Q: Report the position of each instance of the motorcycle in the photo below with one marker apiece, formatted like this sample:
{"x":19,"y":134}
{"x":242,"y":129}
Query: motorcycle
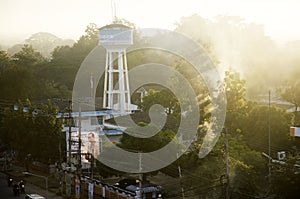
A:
{"x":16,"y":190}
{"x":22,"y":187}
{"x":9,"y":181}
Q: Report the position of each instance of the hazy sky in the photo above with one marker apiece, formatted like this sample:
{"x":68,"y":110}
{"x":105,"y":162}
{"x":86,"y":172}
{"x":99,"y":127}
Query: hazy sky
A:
{"x":68,"y":18}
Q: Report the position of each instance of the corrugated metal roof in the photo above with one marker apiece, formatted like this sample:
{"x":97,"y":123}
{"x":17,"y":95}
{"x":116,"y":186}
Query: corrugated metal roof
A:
{"x":88,"y":113}
{"x":111,"y":132}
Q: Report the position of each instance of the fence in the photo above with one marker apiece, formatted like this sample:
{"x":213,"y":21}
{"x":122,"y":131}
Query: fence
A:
{"x":93,"y":189}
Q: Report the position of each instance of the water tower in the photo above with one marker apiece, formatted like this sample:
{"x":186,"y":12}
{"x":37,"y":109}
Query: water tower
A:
{"x":115,"y":38}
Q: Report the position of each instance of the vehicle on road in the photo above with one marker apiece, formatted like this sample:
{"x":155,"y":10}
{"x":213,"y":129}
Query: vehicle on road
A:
{"x":22,"y":187}
{"x":16,"y":189}
{"x":9,"y":181}
{"x":122,"y":184}
{"x":34,"y":196}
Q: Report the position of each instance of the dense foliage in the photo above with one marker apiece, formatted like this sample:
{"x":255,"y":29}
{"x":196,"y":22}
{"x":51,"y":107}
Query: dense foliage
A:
{"x":37,"y":131}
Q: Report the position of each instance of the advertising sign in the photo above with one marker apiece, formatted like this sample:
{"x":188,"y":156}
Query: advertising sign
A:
{"x":91,"y":191}
{"x":89,"y":145}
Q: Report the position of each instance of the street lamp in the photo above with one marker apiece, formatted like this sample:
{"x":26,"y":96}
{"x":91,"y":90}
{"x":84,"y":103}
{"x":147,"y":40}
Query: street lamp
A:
{"x":40,"y":176}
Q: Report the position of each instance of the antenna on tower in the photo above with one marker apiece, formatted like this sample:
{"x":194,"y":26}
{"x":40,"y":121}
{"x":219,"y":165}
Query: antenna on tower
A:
{"x":113,"y":11}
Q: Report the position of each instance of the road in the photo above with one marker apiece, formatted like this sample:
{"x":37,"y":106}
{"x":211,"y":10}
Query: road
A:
{"x":7,"y":193}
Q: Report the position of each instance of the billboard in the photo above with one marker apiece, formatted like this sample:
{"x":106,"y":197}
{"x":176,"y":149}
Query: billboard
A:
{"x":89,"y":144}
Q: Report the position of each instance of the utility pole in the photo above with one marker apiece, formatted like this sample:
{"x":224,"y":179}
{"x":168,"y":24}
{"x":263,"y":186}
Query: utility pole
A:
{"x":92,"y":166}
{"x":70,"y":132}
{"x":139,"y":192}
{"x":140,"y":170}
{"x":180,"y":176}
{"x":79,"y":140}
{"x":269,"y":135}
{"x":79,"y":152}
{"x":59,"y":147}
{"x":227,"y":164}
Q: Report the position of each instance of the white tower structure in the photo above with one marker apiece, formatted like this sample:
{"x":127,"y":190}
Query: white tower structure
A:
{"x":115,"y":38}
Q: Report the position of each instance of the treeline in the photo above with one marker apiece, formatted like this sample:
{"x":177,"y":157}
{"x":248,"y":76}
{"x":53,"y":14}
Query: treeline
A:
{"x":35,"y":130}
{"x":29,"y":75}
{"x":34,"y":89}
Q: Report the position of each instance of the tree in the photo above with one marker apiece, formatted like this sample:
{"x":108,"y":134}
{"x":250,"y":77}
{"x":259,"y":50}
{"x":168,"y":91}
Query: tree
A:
{"x":160,"y":139}
{"x":236,"y":103}
{"x":247,"y":169}
{"x":88,"y":41}
{"x":20,"y":83}
{"x":124,"y":22}
{"x":255,"y":129}
{"x":235,"y":91}
{"x":14,"y":49}
{"x":42,"y":42}
{"x":47,"y":132}
{"x":45,"y":42}
{"x":16,"y":128}
{"x":291,"y":93}
{"x":28,"y":57}
{"x":5,"y":61}
{"x":32,"y":130}
{"x":206,"y":177}
{"x":66,"y":60}
{"x":163,"y":97}
{"x":17,"y":83}
{"x":146,"y":145}
{"x":285,"y":179}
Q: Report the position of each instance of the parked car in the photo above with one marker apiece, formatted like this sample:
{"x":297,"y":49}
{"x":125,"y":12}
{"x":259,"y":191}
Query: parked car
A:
{"x":34,"y":196}
{"x":122,"y":184}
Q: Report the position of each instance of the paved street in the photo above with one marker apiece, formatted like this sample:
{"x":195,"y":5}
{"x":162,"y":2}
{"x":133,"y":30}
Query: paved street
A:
{"x":7,"y":193}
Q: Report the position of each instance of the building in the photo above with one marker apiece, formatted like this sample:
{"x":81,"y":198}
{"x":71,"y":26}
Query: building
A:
{"x":90,"y":127}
